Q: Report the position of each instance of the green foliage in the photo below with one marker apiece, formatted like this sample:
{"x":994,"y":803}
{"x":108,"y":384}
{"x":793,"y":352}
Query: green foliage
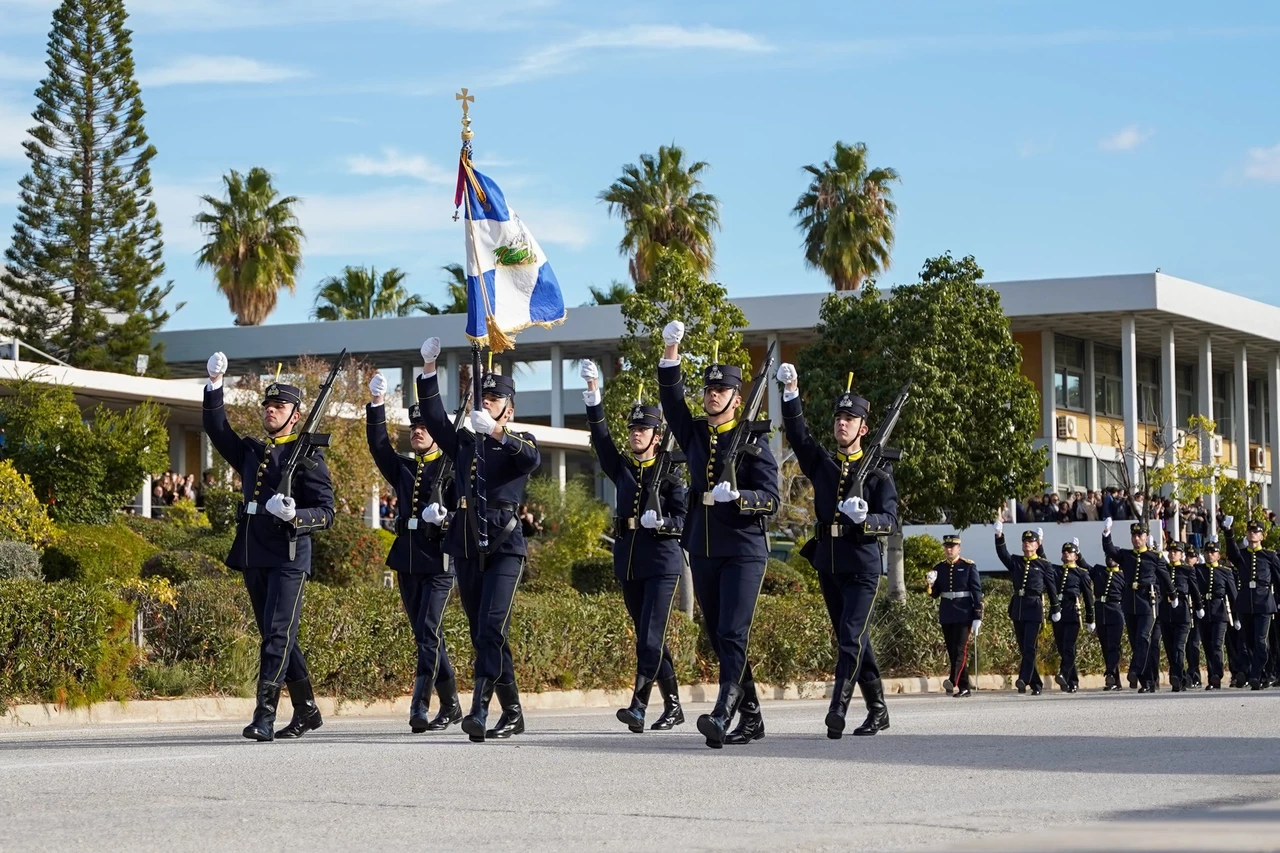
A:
{"x":919,"y":555}
{"x":19,"y":561}
{"x":674,"y":291}
{"x":183,"y":513}
{"x":347,"y":554}
{"x":171,"y":537}
{"x":85,"y":257}
{"x":362,"y":294}
{"x":593,"y":575}
{"x":96,"y":553}
{"x":783,"y":579}
{"x":209,"y":631}
{"x":84,"y":471}
{"x":967,"y":433}
{"x":615,"y":294}
{"x":456,"y":287}
{"x":22,"y":518}
{"x":572,"y":524}
{"x":183,"y":566}
{"x":220,"y":509}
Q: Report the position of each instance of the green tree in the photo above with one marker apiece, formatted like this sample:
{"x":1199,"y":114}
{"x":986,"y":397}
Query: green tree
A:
{"x":83,"y":470}
{"x":361,"y":294}
{"x":84,"y":265}
{"x":846,"y":215}
{"x":456,"y":287}
{"x":967,"y":433}
{"x":616,"y":294}
{"x":253,"y":244}
{"x":661,"y":204}
{"x":675,"y":291}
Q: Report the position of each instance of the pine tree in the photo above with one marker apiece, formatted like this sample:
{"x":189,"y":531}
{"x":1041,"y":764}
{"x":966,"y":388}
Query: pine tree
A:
{"x":83,"y":267}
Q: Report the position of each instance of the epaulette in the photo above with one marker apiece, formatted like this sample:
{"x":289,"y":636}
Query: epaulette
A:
{"x":967,"y":560}
{"x":700,"y":419}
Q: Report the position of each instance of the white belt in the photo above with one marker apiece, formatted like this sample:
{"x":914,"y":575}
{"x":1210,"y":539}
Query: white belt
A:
{"x":956,"y":594}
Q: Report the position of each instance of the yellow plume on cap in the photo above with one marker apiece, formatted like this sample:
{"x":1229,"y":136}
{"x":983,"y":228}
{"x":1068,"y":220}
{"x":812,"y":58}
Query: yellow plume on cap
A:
{"x":715,"y":351}
{"x":491,"y":361}
{"x":640,"y":392}
{"x":848,"y":386}
{"x":278,"y":366}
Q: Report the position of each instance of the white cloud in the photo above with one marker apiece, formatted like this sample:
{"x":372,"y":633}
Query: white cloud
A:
{"x":217,"y":69}
{"x":394,"y":163}
{"x":1264,"y":164}
{"x":17,"y":68}
{"x":1126,"y":140}
{"x":14,"y":124}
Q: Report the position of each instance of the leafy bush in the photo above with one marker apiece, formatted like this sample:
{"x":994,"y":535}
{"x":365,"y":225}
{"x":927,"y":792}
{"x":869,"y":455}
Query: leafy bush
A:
{"x":804,"y":567}
{"x":220,"y":508}
{"x":184,"y":514}
{"x":593,"y":575}
{"x":348,"y":554}
{"x":919,"y":555}
{"x":781,"y":579}
{"x":22,"y":517}
{"x":19,"y":561}
{"x":92,"y":553}
{"x":183,"y":566}
{"x":573,"y":522}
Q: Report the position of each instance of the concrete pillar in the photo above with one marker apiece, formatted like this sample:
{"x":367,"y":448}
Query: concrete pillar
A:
{"x":206,"y":454}
{"x":177,"y":449}
{"x":1242,"y":412}
{"x":408,"y":384}
{"x":1168,"y":394}
{"x":371,"y":513}
{"x":559,"y":468}
{"x":1091,"y":407}
{"x":1273,"y":401}
{"x":557,"y":389}
{"x":452,"y":394}
{"x":144,"y":498}
{"x":1049,"y":408}
{"x":775,"y":401}
{"x":1204,"y":384}
{"x":1129,"y":377}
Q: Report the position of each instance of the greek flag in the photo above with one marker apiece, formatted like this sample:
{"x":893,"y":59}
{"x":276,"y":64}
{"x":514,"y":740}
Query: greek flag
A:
{"x":510,"y":285}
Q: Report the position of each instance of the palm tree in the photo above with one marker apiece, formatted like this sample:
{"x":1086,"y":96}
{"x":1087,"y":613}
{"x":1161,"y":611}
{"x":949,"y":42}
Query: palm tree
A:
{"x":846,"y":215}
{"x":456,"y":285}
{"x":660,"y":204}
{"x":254,"y":244}
{"x":615,"y":294}
{"x":362,"y":294}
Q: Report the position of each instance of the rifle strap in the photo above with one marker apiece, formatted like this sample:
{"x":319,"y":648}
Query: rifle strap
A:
{"x":495,"y":542}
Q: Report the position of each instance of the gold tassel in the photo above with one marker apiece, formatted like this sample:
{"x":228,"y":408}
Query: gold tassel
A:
{"x":498,"y":340}
{"x":848,"y":386}
{"x":278,"y":366}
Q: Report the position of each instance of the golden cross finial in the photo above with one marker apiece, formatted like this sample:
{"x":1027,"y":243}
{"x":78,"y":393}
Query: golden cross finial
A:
{"x":466,"y":100}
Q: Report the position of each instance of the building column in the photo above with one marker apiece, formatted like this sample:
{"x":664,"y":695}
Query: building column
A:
{"x":559,"y":467}
{"x":408,"y":384}
{"x":144,"y":497}
{"x":1129,"y":377}
{"x":557,"y":387}
{"x":1242,"y":412}
{"x":1049,"y":407}
{"x":1091,"y":409}
{"x":177,"y":449}
{"x":453,"y":393}
{"x":371,"y":512}
{"x":1273,"y":406}
{"x":1169,"y":395}
{"x":206,"y":455}
{"x":1204,"y":384}
{"x":775,"y":402}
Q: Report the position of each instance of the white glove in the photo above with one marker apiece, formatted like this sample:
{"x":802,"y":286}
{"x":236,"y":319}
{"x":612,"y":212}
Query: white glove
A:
{"x":1055,"y":616}
{"x":430,"y":350}
{"x":1075,"y":540}
{"x":1227,"y":520}
{"x":282,"y":508}
{"x":930,"y":576}
{"x":1200,"y":613}
{"x":591,"y":398}
{"x":1040,"y":533}
{"x":673,"y":333}
{"x":588,"y":371}
{"x":216,"y":366}
{"x":650,"y":520}
{"x":1091,"y":627}
{"x":1174,"y":603}
{"x":378,"y":386}
{"x":999,"y":527}
{"x":482,"y":422}
{"x":433,"y":514}
{"x":855,"y":508}
{"x":1106,"y":526}
{"x":723,"y":493}
{"x":977,"y":623}
{"x":787,"y":373}
{"x":1237,"y":625}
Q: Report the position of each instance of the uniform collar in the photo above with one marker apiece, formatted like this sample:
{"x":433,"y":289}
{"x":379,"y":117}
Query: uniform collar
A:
{"x":428,"y":457}
{"x":1254,"y":548}
{"x":1211,"y":565}
{"x":849,"y":457}
{"x":1070,"y":565}
{"x":284,"y":439}
{"x":1141,"y":550}
{"x":724,"y":427}
{"x":645,"y":463}
{"x":1176,"y":564}
{"x":952,"y":562}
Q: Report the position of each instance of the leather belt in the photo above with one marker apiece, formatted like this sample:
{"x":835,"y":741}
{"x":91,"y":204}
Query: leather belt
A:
{"x":620,"y":523}
{"x":831,"y":531}
{"x":951,"y":595}
{"x":507,"y":506}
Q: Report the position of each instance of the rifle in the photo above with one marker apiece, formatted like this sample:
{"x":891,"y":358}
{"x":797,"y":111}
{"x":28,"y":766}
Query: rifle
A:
{"x":445,"y":471}
{"x":309,"y":441}
{"x":874,"y":454}
{"x":663,"y":472}
{"x":739,"y":440}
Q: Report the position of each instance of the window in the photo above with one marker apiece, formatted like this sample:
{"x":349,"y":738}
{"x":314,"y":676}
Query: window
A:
{"x":1110,"y":474}
{"x":1258,"y":421}
{"x":1148,"y":390}
{"x":1073,"y":474}
{"x":1186,"y":388}
{"x":1068,"y":373}
{"x":1223,"y":404}
{"x":1108,"y":382}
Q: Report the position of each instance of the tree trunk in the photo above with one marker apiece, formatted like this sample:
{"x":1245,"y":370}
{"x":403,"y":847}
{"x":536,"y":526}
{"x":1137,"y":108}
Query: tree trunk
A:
{"x":897,"y":568}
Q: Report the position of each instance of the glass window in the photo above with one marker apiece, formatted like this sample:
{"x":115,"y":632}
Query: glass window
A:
{"x":1068,"y":375}
{"x":1108,"y":382}
{"x":1187,"y":397}
{"x":1148,"y":390}
{"x":1110,"y":474}
{"x":1259,"y":427}
{"x":1073,"y":474}
{"x":1224,"y":404}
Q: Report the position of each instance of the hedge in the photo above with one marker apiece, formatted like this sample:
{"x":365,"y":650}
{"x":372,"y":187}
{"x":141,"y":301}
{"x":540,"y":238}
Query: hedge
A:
{"x":92,"y":553}
{"x":594,"y":575}
{"x":182,"y":566}
{"x":168,"y":536}
{"x":22,"y":516}
{"x":19,"y":561}
{"x":350,"y":553}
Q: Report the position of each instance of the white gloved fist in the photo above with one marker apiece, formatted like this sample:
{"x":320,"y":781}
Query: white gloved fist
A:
{"x":1237,"y":625}
{"x":1075,"y":540}
{"x":999,"y":525}
{"x":723,"y":493}
{"x":591,"y":398}
{"x":1056,"y":616}
{"x":930,"y":577}
{"x":433,"y":514}
{"x":977,"y":624}
{"x":430,"y":350}
{"x":1200,"y":613}
{"x":482,"y":422}
{"x":855,"y":508}
{"x":217,"y":365}
{"x":378,"y":386}
{"x":1091,"y":627}
{"x":650,"y":520}
{"x":588,"y":371}
{"x":1174,"y":604}
{"x":1040,"y":533}
{"x":1106,"y":526}
{"x":282,"y":508}
{"x":673,"y":333}
{"x":1228,"y":521}
{"x":787,"y":373}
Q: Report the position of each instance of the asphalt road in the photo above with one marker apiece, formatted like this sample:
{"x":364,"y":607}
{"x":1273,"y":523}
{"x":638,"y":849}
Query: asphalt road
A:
{"x":998,"y":771}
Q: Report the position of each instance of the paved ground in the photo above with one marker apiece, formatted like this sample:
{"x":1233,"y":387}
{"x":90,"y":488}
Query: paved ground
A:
{"x":999,"y":771}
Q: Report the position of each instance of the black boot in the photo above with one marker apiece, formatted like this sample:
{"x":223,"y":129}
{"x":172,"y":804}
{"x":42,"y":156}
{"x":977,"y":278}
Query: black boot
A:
{"x":450,"y":708}
{"x":750,"y":720}
{"x":633,"y":716}
{"x":841,"y":695}
{"x":672,"y":713}
{"x":877,"y":712}
{"x":306,"y":716}
{"x":714,"y":725}
{"x":420,"y":705}
{"x":473,"y":723}
{"x":512,"y":720}
{"x":264,"y":716}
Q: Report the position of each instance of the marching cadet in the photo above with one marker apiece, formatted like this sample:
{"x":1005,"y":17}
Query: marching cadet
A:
{"x":1075,"y":591}
{"x":1258,"y":569}
{"x":1192,"y":656}
{"x":423,"y":574}
{"x":1217,"y":585}
{"x":260,"y":551}
{"x":486,"y":581}
{"x":1233,"y":642}
{"x":956,"y":582}
{"x":647,"y":560}
{"x":1146,"y":576}
{"x":1174,"y":618}
{"x":724,"y":533}
{"x":1108,"y":590}
{"x":845,"y":548}
{"x":1031,"y":574}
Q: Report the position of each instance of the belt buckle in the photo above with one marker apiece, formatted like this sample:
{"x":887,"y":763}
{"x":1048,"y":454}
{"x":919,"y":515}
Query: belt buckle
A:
{"x":462,"y":503}
{"x":1135,"y":584}
{"x":835,"y":531}
{"x":413,"y":524}
{"x":1253,"y":584}
{"x":631,"y":523}
{"x":1022,"y":591}
{"x":251,"y":508}
{"x":708,"y":499}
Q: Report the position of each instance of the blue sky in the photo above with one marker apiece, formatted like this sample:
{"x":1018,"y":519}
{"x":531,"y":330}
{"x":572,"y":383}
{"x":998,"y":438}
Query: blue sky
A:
{"x":1045,"y":138}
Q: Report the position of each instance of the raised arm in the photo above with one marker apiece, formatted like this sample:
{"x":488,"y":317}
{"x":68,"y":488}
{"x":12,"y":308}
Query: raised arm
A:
{"x":1108,"y":547}
{"x":606,"y":450}
{"x":671,"y":386}
{"x":809,"y":454}
{"x":223,"y":438}
{"x":375,"y":428}
{"x":1002,"y":553}
{"x":433,"y":413}
{"x":1233,"y":549}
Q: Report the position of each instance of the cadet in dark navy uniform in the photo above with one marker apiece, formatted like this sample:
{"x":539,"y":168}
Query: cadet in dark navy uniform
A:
{"x":845,"y":548}
{"x":1192,"y":679}
{"x":958,"y":586}
{"x":1075,"y":591}
{"x":1218,"y":590}
{"x":423,"y":572}
{"x":724,"y":531}
{"x":1146,"y":579}
{"x":646,"y":549}
{"x":261,"y":547}
{"x":1108,"y":593}
{"x":1031,"y":574}
{"x":1174,"y":617}
{"x":1258,"y":570}
{"x":486,"y":583}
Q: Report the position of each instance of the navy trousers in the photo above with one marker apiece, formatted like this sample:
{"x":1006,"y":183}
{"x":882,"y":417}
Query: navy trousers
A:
{"x":1109,"y":636}
{"x":424,"y":598}
{"x":956,"y":637}
{"x":727,"y":589}
{"x":1140,"y":626}
{"x":850,"y":600}
{"x":1174,"y":636}
{"x":1193,"y":653}
{"x":1233,"y":642}
{"x":1253,"y":646}
{"x":649,"y":603}
{"x":487,"y":598}
{"x":276,"y":595}
{"x":1066,"y":634}
{"x":1028,"y":636}
{"x":1212,"y":634}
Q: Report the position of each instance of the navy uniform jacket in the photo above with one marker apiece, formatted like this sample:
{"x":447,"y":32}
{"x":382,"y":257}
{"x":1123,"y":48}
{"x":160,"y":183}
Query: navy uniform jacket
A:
{"x":262,"y":540}
{"x":416,"y":551}
{"x":733,"y":528}
{"x":857,"y":549}
{"x":507,"y":468}
{"x":638,"y":552}
{"x":958,"y":577}
{"x":1108,"y":592}
{"x":1217,"y":585}
{"x":1075,"y":592}
{"x":1257,"y":569}
{"x":1145,"y":573}
{"x":1031,"y":580}
{"x":1183,"y":577}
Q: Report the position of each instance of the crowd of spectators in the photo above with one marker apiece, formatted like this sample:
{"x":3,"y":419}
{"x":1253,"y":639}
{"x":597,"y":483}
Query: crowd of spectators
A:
{"x":170,"y":487}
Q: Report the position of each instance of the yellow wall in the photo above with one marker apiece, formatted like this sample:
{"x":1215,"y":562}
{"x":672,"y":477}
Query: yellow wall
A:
{"x":1082,"y":424}
{"x":1031,"y":366}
